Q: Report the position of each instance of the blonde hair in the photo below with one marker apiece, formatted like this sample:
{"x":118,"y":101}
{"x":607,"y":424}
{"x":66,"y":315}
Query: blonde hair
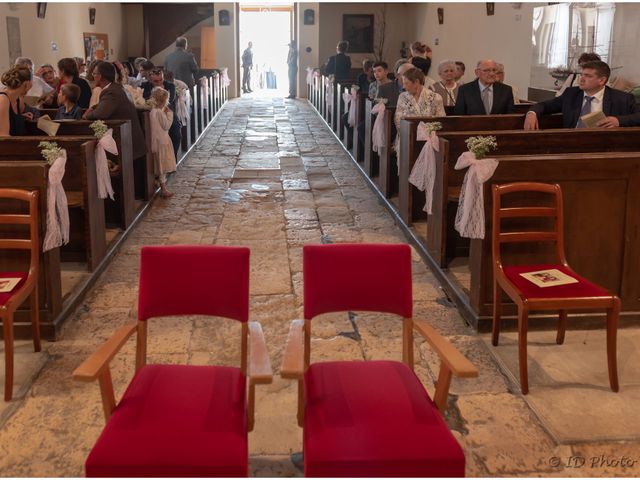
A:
{"x":419,"y":47}
{"x":16,"y":76}
{"x":159,"y":97}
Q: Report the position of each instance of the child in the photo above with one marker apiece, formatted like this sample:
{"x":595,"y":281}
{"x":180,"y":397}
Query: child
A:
{"x":68,"y":99}
{"x":163,"y":156}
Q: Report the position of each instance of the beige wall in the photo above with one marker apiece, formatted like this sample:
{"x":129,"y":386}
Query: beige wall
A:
{"x":307,"y":36}
{"x":469,"y":34}
{"x":64,"y":24}
{"x":134,"y":29}
{"x":227,"y":54}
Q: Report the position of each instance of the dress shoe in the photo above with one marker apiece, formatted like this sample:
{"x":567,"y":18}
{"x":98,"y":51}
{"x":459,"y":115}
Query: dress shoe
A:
{"x":250,"y":91}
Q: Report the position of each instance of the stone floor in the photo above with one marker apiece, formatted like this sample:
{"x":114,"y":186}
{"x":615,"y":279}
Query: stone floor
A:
{"x":269,"y":175}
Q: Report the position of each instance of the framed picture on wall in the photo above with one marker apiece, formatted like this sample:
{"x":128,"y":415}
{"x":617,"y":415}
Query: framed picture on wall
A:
{"x":358,"y":31}
{"x":96,"y":46}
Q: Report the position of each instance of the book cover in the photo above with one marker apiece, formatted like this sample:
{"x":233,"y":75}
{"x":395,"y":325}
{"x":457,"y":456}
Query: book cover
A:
{"x":591,"y":120}
{"x":8,"y":284}
{"x":549,"y":278}
{"x":47,"y":125}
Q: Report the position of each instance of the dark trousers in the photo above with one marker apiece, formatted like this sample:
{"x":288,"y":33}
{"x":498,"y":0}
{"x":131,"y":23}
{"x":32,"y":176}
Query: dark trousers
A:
{"x":293,"y":81}
{"x":246,"y":79}
{"x":175,"y":134}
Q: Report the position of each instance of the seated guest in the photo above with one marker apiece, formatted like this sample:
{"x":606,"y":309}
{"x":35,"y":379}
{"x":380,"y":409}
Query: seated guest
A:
{"x":500,"y":79}
{"x":47,"y":73}
{"x":591,"y":96}
{"x":122,"y":77}
{"x":484,"y":96}
{"x":114,"y":104}
{"x":144,"y":70}
{"x":82,"y":67}
{"x":68,"y":98}
{"x":573,"y":80}
{"x":421,"y":57}
{"x":138,"y":79}
{"x":339,"y":65}
{"x":460,"y":69}
{"x":95,"y":90}
{"x":68,"y":72}
{"x":402,"y":69}
{"x":384,"y":87}
{"x":416,"y":100}
{"x":17,"y":81}
{"x":39,"y":88}
{"x":366,"y":78}
{"x":447,"y":87}
{"x":156,"y":79}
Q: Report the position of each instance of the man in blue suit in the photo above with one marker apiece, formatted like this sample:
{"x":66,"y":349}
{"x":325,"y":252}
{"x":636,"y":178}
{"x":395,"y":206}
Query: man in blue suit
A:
{"x":591,"y":96}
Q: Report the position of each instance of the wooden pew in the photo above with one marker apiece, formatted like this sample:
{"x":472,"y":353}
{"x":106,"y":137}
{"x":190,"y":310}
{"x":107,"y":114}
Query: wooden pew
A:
{"x":33,"y":175}
{"x":371,"y":159}
{"x":357,"y":151}
{"x":388,"y":163}
{"x":601,"y":194}
{"x":123,"y":183}
{"x":89,"y":241}
{"x":143,"y":170}
{"x":411,"y":199}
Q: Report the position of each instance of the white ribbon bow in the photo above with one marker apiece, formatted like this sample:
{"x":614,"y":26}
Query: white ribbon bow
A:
{"x":309,"y":75}
{"x":225,"y":77}
{"x":183,"y":105}
{"x":57,"y":210}
{"x":352,"y":107}
{"x":470,"y":215}
{"x":328,"y":90}
{"x":105,"y":144}
{"x":204,"y":91}
{"x":378,"y":139}
{"x":423,"y":174}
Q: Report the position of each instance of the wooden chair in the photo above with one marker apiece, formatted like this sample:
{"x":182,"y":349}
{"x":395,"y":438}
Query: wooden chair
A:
{"x":181,"y":420}
{"x":28,"y":284}
{"x":373,"y":418}
{"x":528,"y":296}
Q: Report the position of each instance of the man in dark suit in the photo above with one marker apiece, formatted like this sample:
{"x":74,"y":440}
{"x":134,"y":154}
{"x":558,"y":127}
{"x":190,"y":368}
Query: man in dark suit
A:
{"x":339,"y":65}
{"x":484,"y":96}
{"x":114,"y":104}
{"x":156,"y":79}
{"x":247,"y":64}
{"x":591,"y":96}
{"x":182,"y":63}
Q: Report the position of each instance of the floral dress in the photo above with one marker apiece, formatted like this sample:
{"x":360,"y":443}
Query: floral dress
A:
{"x":429,"y":104}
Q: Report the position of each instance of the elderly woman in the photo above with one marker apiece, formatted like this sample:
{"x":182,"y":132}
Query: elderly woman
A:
{"x":416,"y":100}
{"x":447,"y":87}
{"x":17,"y":81}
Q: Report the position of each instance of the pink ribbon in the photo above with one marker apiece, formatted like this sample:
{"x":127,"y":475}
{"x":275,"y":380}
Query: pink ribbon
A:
{"x":423,"y":174}
{"x":225,"y":77}
{"x":378,"y":137}
{"x":470,"y":215}
{"x":309,"y":75}
{"x":204,"y":91}
{"x":104,"y":145}
{"x":352,"y":107}
{"x":57,"y":209}
{"x":328,"y":90}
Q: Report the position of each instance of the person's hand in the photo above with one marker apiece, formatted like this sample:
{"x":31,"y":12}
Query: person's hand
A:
{"x":609,"y":122}
{"x":531,"y":121}
{"x":86,"y":112}
{"x":28,"y":115}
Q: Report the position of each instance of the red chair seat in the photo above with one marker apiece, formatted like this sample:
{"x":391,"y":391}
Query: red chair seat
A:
{"x":176,"y":421}
{"x":4,"y":297}
{"x":374,"y":419}
{"x":584,"y":288}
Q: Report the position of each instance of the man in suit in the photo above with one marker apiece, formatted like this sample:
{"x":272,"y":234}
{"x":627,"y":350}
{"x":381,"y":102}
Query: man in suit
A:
{"x":339,"y":65}
{"x":484,"y":96}
{"x":591,"y":96}
{"x":182,"y":63}
{"x":114,"y":104}
{"x":156,"y":79}
{"x":292,"y":64}
{"x":247,"y":63}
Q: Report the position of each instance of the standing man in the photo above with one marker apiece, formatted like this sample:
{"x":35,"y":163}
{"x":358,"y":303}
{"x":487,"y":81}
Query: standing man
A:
{"x":182,"y":63}
{"x":247,"y":63}
{"x":292,"y":63}
{"x":484,"y":96}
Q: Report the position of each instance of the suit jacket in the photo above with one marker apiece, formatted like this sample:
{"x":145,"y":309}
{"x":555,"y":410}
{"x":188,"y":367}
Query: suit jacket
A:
{"x":183,"y":65}
{"x":614,"y":103}
{"x":340,"y":66}
{"x":114,"y":105}
{"x":469,"y":101}
{"x":247,"y":58}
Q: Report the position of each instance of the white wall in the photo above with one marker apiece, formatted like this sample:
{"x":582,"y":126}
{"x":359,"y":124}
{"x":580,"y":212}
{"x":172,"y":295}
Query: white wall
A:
{"x":308,"y":36}
{"x":626,"y":38}
{"x":227,"y":46}
{"x":469,"y":34}
{"x":64,"y":24}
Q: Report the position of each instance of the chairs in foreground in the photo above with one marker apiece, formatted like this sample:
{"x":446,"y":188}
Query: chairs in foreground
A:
{"x":181,"y":420}
{"x":551,"y":286}
{"x":27,"y":282}
{"x":370,"y":418}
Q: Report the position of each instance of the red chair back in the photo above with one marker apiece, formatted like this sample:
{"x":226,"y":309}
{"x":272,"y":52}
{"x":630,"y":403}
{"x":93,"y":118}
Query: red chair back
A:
{"x":358,"y":277}
{"x":194,"y":280}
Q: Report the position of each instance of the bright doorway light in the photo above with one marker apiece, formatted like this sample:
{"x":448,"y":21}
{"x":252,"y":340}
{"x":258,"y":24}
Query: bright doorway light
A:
{"x":268,"y":27}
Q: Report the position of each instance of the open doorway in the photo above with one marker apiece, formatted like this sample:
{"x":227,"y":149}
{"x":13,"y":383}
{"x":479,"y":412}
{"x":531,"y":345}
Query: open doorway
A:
{"x":269,"y":28}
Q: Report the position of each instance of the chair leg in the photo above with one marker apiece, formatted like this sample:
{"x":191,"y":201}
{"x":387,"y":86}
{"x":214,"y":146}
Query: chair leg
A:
{"x":523,"y":320}
{"x":35,"y":319}
{"x":497,"y":308}
{"x":562,"y":327}
{"x":612,"y":353}
{"x":7,"y":323}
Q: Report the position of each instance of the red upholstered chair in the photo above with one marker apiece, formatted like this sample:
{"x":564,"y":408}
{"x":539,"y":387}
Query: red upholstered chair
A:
{"x":373,"y":418}
{"x":582,"y":295}
{"x":28,"y":284}
{"x":181,"y":420}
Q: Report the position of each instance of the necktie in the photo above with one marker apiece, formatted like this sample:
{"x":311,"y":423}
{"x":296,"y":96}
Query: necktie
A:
{"x":586,"y":108}
{"x":486,"y":100}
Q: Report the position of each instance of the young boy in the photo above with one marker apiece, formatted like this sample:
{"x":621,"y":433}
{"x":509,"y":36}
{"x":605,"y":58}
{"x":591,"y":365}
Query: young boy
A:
{"x":68,"y":98}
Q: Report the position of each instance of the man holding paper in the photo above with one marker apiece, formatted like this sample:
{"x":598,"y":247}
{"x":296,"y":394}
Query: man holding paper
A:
{"x":592,"y":104}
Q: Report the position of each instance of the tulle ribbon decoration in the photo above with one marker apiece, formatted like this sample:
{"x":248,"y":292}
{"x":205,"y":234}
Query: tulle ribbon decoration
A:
{"x":352,"y":106}
{"x":183,"y":105}
{"x":423,"y":174}
{"x":378,"y":137}
{"x":225,"y":77}
{"x":470,"y":215}
{"x":57,"y":210}
{"x":104,"y":145}
{"x":328,"y":96}
{"x":309,"y":76}
{"x":204,"y":92}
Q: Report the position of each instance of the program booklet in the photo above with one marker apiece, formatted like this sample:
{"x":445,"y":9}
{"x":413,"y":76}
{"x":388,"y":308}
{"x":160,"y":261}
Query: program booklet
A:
{"x":8,"y":284}
{"x":591,"y":120}
{"x":549,"y":278}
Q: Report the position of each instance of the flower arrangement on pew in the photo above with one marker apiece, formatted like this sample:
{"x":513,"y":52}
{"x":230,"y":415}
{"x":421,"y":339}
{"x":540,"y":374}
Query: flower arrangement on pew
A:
{"x":57,"y":231}
{"x":50,"y":151}
{"x":104,"y":167}
{"x":378,"y":137}
{"x":470,"y":215}
{"x":423,"y":173}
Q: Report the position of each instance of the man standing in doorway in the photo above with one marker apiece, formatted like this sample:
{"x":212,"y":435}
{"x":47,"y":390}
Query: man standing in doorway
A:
{"x":182,"y":63}
{"x":292,"y":63}
{"x":247,"y":63}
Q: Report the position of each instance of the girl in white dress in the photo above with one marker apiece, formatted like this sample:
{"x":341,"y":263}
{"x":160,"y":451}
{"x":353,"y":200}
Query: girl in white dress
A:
{"x":164,"y":158}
